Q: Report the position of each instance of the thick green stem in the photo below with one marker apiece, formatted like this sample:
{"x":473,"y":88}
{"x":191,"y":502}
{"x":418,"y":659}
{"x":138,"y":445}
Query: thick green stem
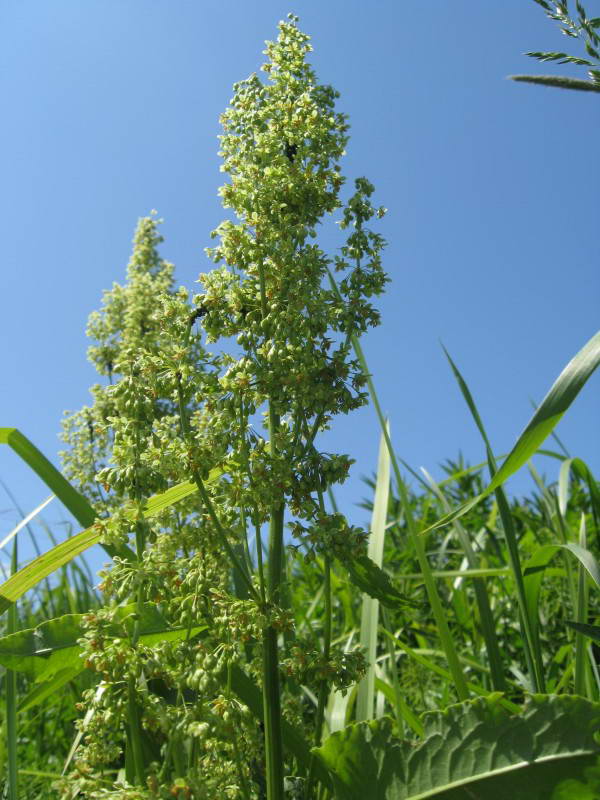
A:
{"x":271,"y":686}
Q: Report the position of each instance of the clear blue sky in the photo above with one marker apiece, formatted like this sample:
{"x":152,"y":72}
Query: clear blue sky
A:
{"x":110,"y":109}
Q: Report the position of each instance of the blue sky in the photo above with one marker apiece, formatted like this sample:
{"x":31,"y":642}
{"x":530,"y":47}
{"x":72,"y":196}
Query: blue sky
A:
{"x":111,"y":109}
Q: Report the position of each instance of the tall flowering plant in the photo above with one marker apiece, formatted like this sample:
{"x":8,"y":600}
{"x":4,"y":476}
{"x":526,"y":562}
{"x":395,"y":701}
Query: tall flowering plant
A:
{"x":173,"y":411}
{"x":281,"y":146}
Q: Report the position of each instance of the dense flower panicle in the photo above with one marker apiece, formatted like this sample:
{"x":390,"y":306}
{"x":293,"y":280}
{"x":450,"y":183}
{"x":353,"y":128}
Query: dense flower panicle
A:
{"x":172,"y":411}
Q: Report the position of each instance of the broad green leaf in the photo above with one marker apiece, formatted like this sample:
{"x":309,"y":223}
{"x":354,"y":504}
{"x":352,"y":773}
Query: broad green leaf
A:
{"x":562,"y":393}
{"x":475,"y":749}
{"x":370,"y":606}
{"x":51,"y":648}
{"x":44,"y":565}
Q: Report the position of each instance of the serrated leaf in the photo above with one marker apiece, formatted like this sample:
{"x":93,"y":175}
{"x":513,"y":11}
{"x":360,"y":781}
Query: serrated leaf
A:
{"x":473,"y":750}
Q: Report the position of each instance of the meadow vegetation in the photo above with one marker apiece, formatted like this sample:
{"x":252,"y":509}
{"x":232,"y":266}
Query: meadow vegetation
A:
{"x":244,"y":640}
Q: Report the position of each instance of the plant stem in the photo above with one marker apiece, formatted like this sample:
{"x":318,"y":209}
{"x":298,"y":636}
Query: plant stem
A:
{"x":236,"y":563}
{"x":271,"y":687}
{"x":11,"y":698}
{"x":324,"y":683}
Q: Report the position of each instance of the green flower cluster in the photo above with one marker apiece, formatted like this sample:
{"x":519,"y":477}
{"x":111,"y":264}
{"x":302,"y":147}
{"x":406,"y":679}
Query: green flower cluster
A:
{"x":165,"y":716}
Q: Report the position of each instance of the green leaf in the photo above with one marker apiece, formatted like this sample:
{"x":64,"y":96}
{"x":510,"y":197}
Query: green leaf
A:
{"x":562,"y":393}
{"x":562,"y":58}
{"x":475,"y":749}
{"x":75,"y":502}
{"x":592,"y":631}
{"x":582,"y":471}
{"x":57,"y":483}
{"x":369,"y":623}
{"x":51,"y":648}
{"x":372,"y":580}
{"x":46,"y":564}
{"x":48,"y":689}
{"x":557,"y":81}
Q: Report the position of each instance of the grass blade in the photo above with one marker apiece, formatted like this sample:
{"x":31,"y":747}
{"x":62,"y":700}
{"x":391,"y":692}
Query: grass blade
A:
{"x":558,"y":81}
{"x":475,"y":688}
{"x":53,"y":646}
{"x":581,"y":661}
{"x":531,"y":643}
{"x":456,"y":670}
{"x":44,"y":565}
{"x":75,"y":502}
{"x":59,"y":485}
{"x":11,"y":702}
{"x":25,"y":521}
{"x":561,"y":395}
{"x":488,"y":627}
{"x":370,"y":605}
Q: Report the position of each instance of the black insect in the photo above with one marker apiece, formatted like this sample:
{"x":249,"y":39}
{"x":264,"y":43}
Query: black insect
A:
{"x":290,"y":151}
{"x":197,"y":314}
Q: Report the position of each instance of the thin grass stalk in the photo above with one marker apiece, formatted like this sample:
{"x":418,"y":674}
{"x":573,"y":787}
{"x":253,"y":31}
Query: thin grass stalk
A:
{"x":401,"y":709}
{"x":530,"y":641}
{"x":475,"y":688}
{"x":271,"y":686}
{"x":369,"y":623}
{"x":581,"y":660}
{"x":11,"y":698}
{"x":456,"y":671}
{"x":324,"y":687}
{"x":488,"y":628}
{"x":594,"y":675}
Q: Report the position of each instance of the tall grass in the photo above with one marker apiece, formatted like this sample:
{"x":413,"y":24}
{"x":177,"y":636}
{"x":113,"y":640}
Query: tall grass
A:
{"x":408,"y":671}
{"x":38,"y":730}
